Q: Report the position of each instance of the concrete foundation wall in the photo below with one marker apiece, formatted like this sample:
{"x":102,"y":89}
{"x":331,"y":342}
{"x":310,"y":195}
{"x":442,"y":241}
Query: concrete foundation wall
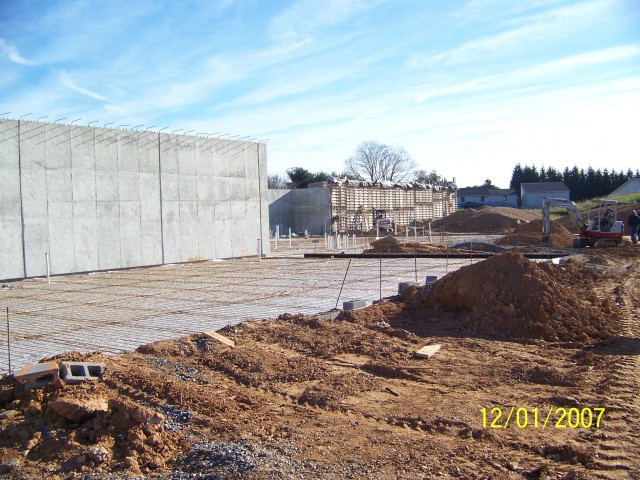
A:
{"x":97,"y":199}
{"x":300,"y":209}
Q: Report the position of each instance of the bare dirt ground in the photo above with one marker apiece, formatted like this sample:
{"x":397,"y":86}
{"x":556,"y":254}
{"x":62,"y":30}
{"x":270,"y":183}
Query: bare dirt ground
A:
{"x":529,"y":355}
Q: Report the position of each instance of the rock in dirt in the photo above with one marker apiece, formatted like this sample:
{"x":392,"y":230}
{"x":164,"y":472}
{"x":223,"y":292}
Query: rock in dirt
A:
{"x":98,"y":454}
{"x":10,"y":465}
{"x":79,"y":409}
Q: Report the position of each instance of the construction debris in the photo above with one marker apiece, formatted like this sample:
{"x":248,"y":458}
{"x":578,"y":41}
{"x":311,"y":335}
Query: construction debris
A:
{"x":221,"y":338}
{"x":427,"y":351}
{"x":38,"y":375}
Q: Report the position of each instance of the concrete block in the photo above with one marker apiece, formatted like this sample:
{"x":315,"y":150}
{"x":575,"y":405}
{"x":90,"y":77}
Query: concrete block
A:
{"x":221,"y":338}
{"x":427,"y":351}
{"x":354,"y":304}
{"x":402,"y":286}
{"x":77,"y":372}
{"x":38,"y":375}
{"x":431,"y":279}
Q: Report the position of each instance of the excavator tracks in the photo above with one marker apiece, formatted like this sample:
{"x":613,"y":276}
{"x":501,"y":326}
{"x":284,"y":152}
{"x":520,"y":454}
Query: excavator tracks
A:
{"x":619,"y":439}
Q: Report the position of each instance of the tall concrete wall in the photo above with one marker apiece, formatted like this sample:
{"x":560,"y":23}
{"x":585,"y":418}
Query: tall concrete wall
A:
{"x":300,"y":209}
{"x":97,"y":199}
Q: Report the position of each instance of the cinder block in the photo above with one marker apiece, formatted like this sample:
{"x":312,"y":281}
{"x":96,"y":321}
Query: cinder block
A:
{"x":431,"y":279}
{"x":38,"y":375}
{"x":76,"y":372}
{"x":354,"y":304}
{"x":404,"y":285}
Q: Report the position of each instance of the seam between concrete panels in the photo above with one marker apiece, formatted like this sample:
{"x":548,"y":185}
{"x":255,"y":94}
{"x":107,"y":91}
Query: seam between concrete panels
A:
{"x":24,"y":254}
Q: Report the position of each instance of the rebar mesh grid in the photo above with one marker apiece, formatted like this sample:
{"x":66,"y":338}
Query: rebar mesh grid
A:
{"x":118,"y":311}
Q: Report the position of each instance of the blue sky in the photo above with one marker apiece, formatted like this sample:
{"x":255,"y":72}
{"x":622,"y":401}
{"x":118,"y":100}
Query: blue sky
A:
{"x":468,"y":88}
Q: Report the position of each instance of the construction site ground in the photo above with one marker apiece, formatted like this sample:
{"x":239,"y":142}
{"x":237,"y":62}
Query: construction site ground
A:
{"x":537,"y":375}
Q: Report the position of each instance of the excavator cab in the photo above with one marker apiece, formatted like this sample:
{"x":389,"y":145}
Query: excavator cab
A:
{"x":603,"y":217}
{"x":380,"y":219}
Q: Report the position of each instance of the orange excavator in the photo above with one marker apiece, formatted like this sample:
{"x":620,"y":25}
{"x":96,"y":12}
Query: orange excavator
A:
{"x":602,"y":228}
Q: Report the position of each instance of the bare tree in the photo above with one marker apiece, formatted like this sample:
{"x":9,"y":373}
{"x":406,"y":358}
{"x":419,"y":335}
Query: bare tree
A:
{"x":277,"y":181}
{"x":373,"y":161}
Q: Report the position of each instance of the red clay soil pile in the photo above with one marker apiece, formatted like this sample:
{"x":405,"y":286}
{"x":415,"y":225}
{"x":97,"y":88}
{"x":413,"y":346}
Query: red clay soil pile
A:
{"x":530,"y":234}
{"x":391,"y":244}
{"x":510,"y":297}
{"x":483,"y":220}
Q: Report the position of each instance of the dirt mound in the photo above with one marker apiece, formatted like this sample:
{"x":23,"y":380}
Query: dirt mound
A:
{"x":391,"y":244}
{"x":483,"y":220}
{"x":510,"y":297}
{"x":530,"y":234}
{"x":89,"y":426}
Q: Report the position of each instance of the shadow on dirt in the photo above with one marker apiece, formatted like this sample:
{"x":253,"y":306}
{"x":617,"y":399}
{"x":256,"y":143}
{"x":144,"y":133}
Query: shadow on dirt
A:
{"x":618,"y":345}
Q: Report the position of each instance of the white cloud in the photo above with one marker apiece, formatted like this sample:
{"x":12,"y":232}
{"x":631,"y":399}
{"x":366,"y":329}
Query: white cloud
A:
{"x":534,"y":30}
{"x":455,"y":89}
{"x":11,"y":52}
{"x":67,"y":81}
{"x":305,"y":16}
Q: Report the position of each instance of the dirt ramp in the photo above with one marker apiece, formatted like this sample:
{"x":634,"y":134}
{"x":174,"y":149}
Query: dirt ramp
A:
{"x":510,"y":297}
{"x":530,"y":234}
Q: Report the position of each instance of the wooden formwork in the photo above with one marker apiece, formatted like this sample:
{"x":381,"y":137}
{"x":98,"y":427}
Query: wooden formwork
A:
{"x":352,"y":204}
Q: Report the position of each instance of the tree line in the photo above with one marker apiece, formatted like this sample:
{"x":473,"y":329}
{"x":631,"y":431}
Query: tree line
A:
{"x":371,"y":162}
{"x":583,"y":184}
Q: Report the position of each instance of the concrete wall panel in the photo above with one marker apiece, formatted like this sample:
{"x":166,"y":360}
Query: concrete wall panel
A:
{"x":11,"y":259}
{"x":188,"y":186}
{"x":83,"y":157}
{"x":148,"y":156}
{"x":130,"y":234}
{"x":61,"y":237}
{"x":84,"y":186}
{"x":204,"y":163}
{"x":107,"y":186}
{"x":100,"y":198}
{"x":59,"y":186}
{"x":108,"y":222}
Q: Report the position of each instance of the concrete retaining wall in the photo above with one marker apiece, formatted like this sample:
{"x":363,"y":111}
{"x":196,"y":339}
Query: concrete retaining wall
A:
{"x":97,"y":199}
{"x":300,"y":209}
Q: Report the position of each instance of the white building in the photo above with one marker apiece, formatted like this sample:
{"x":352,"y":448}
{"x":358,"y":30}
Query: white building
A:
{"x":533,"y":193}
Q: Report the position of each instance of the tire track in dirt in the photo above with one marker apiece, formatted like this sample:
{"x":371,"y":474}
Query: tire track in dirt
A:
{"x":619,"y":438}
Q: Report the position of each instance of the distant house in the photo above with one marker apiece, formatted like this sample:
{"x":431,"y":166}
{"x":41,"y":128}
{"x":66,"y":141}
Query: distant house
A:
{"x":533,"y":193}
{"x":630,"y":186}
{"x":479,"y":196}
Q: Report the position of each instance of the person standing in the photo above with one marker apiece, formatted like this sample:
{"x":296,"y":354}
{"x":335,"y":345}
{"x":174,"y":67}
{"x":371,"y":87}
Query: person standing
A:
{"x":634,"y":222}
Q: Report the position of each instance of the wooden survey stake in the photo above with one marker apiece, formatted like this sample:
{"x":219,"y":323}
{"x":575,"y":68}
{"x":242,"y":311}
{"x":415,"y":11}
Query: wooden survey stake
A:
{"x":221,"y":338}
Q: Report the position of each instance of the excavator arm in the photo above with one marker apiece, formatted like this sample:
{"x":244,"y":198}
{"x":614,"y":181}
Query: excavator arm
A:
{"x":548,"y":203}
